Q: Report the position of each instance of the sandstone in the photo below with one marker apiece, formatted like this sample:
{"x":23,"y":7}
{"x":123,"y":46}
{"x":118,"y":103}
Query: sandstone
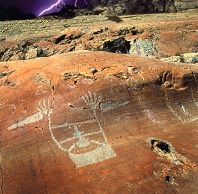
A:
{"x":98,"y":122}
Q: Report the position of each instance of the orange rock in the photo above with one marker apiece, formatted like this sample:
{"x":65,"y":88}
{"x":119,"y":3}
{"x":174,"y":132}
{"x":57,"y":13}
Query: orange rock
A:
{"x":84,"y":122}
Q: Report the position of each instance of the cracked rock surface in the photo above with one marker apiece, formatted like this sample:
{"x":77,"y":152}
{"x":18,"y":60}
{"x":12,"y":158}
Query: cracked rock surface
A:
{"x":96,"y":122}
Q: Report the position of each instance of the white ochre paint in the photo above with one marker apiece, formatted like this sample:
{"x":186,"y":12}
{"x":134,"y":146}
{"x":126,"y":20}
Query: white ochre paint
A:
{"x":83,"y":146}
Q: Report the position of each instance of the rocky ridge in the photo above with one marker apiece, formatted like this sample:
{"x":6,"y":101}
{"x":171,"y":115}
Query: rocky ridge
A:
{"x":120,"y":7}
{"x":156,"y":36}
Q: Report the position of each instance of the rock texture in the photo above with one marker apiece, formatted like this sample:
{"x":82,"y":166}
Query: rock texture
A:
{"x":141,"y":6}
{"x":86,"y":106}
{"x":157,"y":36}
{"x":185,"y":58}
{"x":185,"y":4}
{"x":98,"y":122}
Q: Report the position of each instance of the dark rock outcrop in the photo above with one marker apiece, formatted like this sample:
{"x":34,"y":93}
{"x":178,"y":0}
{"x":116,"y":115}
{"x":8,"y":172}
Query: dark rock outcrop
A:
{"x":117,"y":7}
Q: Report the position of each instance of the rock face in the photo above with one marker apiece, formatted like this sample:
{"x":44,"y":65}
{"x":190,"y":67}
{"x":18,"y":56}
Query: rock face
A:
{"x":98,"y":122}
{"x":141,"y":6}
{"x":185,"y":4}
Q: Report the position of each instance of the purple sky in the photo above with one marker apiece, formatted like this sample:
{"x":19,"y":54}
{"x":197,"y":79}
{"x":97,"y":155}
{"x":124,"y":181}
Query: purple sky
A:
{"x":37,"y":6}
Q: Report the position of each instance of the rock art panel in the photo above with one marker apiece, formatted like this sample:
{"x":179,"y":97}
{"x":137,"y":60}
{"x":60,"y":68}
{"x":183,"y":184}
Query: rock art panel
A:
{"x":83,"y":148}
{"x":122,"y":128}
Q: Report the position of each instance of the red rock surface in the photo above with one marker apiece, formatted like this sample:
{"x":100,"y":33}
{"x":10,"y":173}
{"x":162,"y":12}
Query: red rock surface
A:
{"x":97,"y":122}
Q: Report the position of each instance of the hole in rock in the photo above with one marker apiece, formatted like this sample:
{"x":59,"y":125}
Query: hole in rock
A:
{"x":70,"y":105}
{"x":119,"y":45}
{"x":94,"y":70}
{"x":165,"y":77}
{"x":168,"y":179}
{"x":165,"y":147}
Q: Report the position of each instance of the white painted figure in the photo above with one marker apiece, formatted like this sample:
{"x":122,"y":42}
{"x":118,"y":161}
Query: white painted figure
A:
{"x":83,"y":147}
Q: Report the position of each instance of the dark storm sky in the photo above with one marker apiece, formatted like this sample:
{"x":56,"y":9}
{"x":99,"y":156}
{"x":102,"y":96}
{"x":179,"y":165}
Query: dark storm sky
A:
{"x":37,"y":6}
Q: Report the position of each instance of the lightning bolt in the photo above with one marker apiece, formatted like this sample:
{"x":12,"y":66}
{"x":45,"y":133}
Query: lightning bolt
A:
{"x":58,"y":3}
{"x":51,"y":7}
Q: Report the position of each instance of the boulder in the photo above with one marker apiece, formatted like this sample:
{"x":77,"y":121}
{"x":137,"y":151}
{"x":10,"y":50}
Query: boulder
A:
{"x":143,"y":47}
{"x":32,"y":53}
{"x":98,"y":122}
{"x":185,"y":58}
{"x":189,"y":58}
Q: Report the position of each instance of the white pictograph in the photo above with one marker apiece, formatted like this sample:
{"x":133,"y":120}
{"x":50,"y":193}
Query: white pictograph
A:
{"x":178,"y":103}
{"x":84,"y":141}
